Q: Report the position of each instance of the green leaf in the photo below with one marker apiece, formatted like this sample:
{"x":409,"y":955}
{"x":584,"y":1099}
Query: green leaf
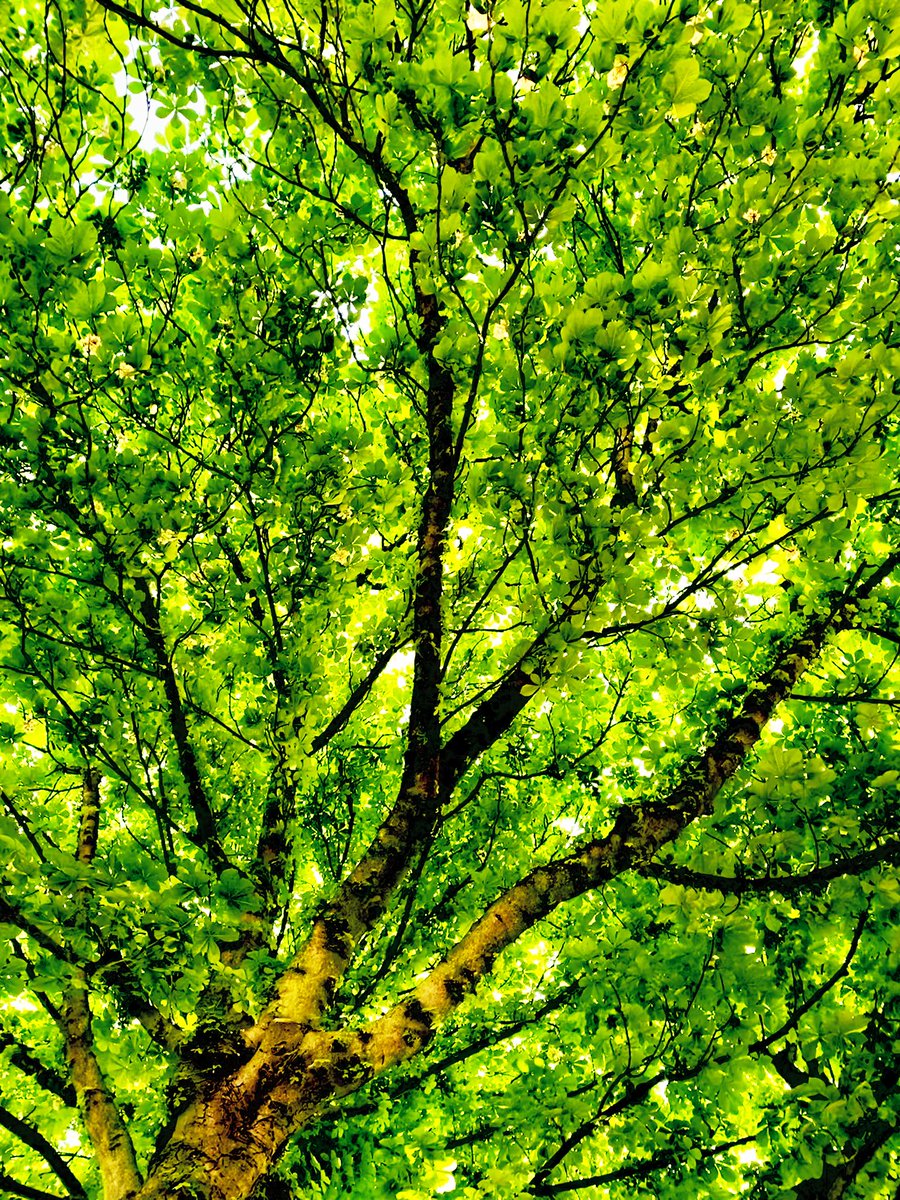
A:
{"x":448,"y":612}
{"x":685,"y":88}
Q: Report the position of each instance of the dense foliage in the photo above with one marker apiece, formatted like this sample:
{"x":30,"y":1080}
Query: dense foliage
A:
{"x":442,"y":446}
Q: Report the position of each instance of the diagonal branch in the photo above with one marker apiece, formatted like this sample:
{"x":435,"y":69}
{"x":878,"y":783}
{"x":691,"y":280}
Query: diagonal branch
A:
{"x":207,"y":835}
{"x":251,"y":47}
{"x":863,"y":1139}
{"x":44,"y":1075}
{"x":635,"y":838}
{"x":634,"y":1095}
{"x":24,"y":1190}
{"x":638,"y":1170}
{"x":637,"y":1094}
{"x":10,"y":915}
{"x":838,"y":1178}
{"x":296,"y":1070}
{"x":36,"y":1141}
{"x":357,"y":695}
{"x":493,"y":716}
{"x":814,"y":997}
{"x":506,"y":698}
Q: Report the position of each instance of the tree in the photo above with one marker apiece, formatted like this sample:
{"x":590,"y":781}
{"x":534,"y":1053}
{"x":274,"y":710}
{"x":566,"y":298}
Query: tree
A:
{"x":448,"y":599}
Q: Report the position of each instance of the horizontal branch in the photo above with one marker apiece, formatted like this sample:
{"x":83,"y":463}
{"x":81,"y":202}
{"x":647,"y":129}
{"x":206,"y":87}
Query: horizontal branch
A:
{"x":785,"y":885}
{"x":852,"y":698}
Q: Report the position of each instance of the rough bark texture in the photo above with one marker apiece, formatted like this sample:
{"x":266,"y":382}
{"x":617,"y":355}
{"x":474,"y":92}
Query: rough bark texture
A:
{"x":106,"y":1129}
{"x":305,"y":990}
{"x":269,"y":1077}
{"x":229,"y":1136}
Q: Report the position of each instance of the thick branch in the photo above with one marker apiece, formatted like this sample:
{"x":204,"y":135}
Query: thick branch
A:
{"x":636,"y":837}
{"x":625,"y":492}
{"x":108,"y":1134}
{"x":863,"y":1141}
{"x":490,"y":720}
{"x":296,"y":1070}
{"x":420,"y":769}
{"x":305,"y":989}
{"x":89,"y":828}
{"x":837,"y":1178}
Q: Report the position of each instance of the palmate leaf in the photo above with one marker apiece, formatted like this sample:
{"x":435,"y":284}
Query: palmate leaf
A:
{"x":448,"y":600}
{"x":685,"y":87}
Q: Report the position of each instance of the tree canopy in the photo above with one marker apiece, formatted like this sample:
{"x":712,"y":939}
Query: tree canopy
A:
{"x":449,"y":622}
